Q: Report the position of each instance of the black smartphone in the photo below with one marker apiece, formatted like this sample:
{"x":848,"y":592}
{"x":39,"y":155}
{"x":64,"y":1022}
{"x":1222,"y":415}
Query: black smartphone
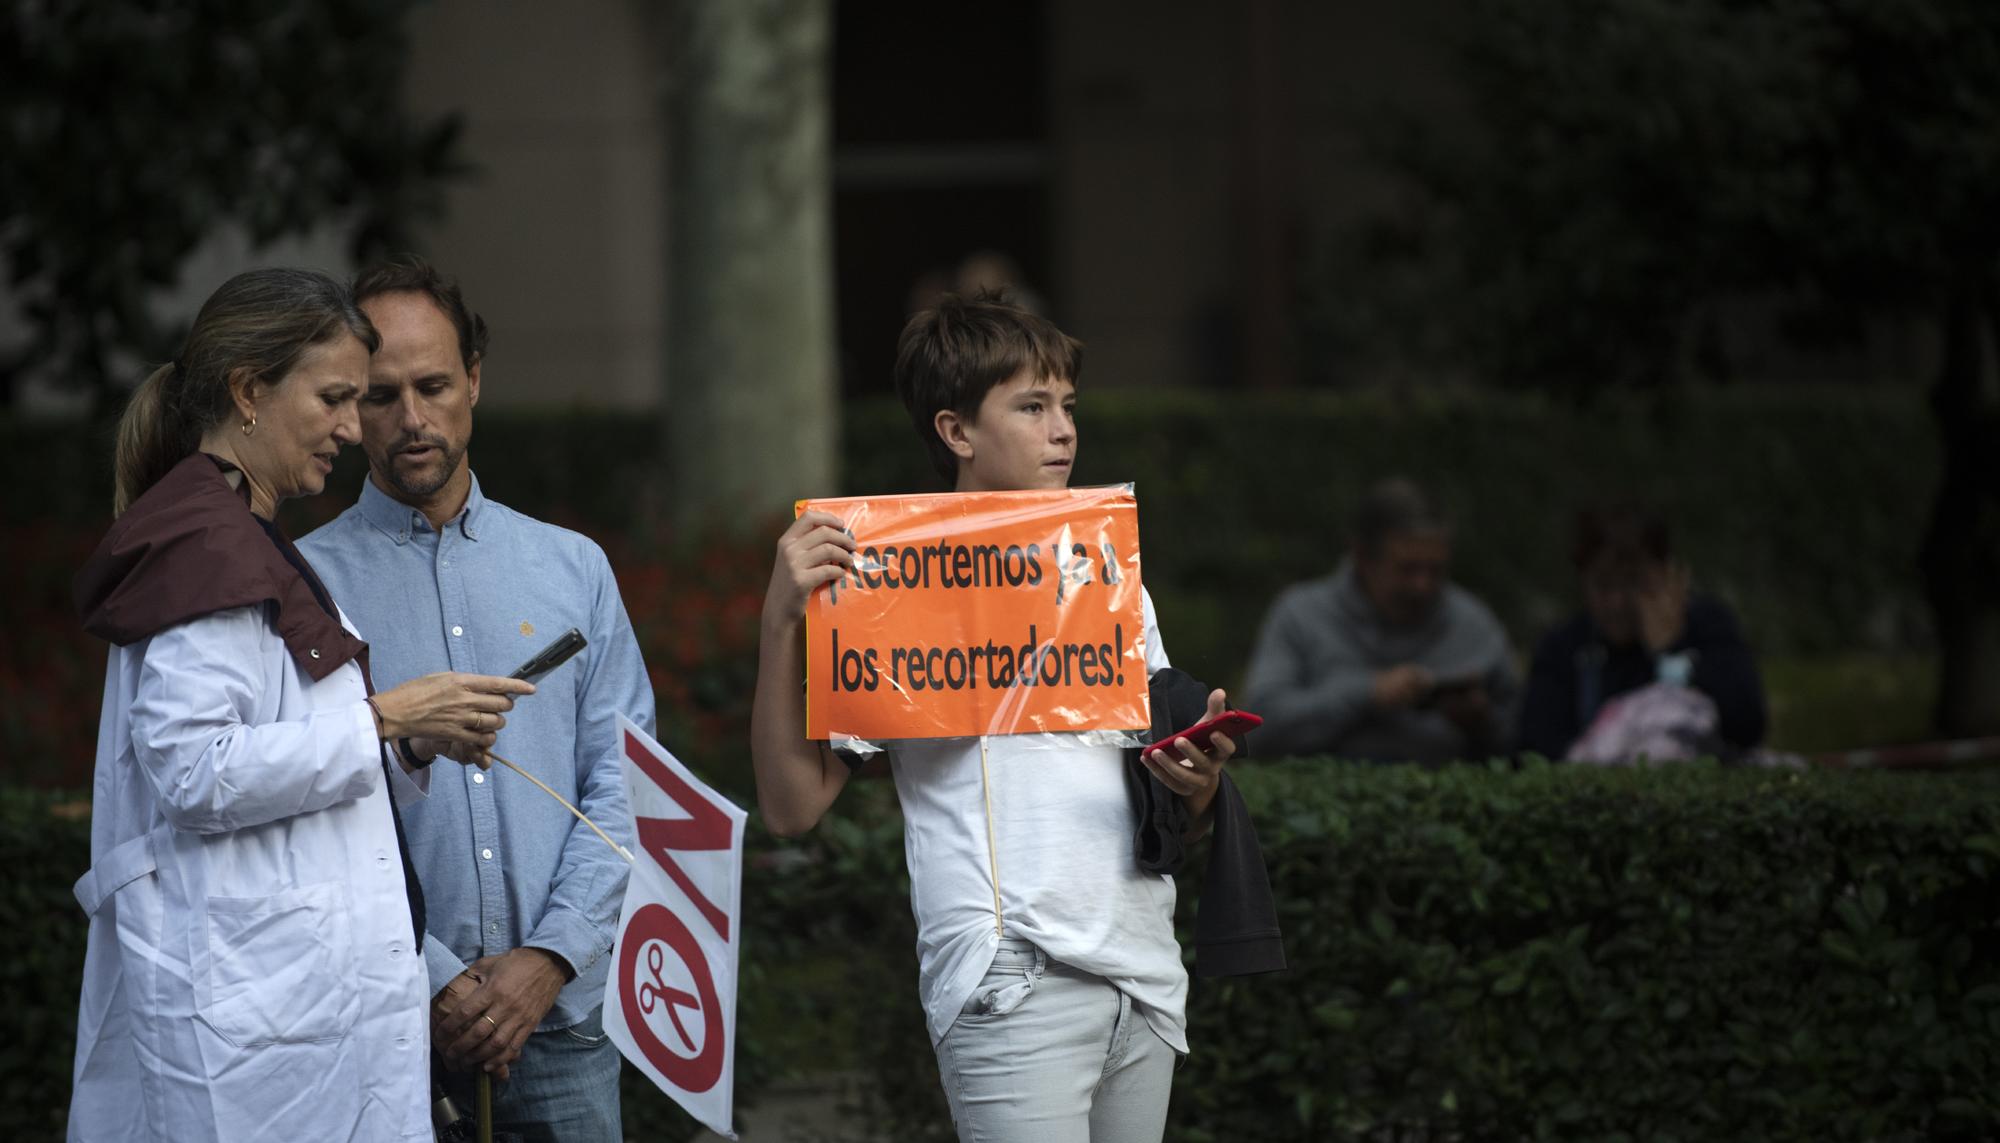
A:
{"x":552,"y":656}
{"x":1447,"y":687}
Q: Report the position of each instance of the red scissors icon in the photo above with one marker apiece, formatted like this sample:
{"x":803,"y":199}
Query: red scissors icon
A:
{"x":675,"y":999}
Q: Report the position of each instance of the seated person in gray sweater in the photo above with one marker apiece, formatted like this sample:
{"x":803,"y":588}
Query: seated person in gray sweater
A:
{"x":1385,"y":660}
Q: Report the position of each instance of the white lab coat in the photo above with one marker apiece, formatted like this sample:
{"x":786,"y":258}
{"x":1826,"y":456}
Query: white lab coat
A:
{"x":251,"y":973}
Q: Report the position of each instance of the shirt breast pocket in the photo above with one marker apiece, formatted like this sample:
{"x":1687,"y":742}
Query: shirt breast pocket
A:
{"x":280,"y":967}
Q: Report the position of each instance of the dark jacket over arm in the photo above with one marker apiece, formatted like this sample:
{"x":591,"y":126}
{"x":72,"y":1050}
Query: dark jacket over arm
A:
{"x":1236,"y":930}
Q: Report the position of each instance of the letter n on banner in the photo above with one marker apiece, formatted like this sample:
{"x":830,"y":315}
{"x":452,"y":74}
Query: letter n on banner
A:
{"x":670,"y":1003}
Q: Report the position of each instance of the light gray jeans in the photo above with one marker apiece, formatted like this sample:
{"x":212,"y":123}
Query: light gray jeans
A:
{"x":1043,"y":1053}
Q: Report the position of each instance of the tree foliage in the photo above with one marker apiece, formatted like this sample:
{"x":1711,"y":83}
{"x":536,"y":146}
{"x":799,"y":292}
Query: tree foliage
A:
{"x":136,"y":130}
{"x":1630,"y":167}
{"x":1624,"y":164}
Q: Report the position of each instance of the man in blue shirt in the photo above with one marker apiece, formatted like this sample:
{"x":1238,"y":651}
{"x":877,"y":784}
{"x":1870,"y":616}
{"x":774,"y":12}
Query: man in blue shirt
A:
{"x":523,"y":899}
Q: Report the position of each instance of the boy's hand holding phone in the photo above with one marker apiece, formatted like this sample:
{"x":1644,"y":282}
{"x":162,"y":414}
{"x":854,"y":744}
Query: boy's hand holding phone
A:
{"x":1190,"y":763}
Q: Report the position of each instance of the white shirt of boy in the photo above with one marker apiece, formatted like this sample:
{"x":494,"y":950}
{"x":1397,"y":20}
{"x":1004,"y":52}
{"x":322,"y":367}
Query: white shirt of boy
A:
{"x":1062,"y":823}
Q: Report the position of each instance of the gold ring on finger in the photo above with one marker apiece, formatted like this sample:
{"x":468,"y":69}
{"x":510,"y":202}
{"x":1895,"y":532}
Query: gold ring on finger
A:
{"x":492,"y":1021}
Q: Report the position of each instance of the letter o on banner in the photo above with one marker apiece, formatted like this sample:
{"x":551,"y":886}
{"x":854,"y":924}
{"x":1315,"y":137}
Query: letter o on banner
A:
{"x":656,"y":923}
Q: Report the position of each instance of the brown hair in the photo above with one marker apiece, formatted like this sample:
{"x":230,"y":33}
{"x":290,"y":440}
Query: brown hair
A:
{"x":262,"y":321}
{"x":1394,"y":506}
{"x":408,"y":272}
{"x":1629,"y":535}
{"x":952,"y":355}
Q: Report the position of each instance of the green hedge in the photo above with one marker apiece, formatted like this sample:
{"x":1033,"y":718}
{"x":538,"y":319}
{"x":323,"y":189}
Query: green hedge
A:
{"x":1681,"y":953}
{"x":1577,"y":953}
{"x":44,"y":847}
{"x":1663,"y":954}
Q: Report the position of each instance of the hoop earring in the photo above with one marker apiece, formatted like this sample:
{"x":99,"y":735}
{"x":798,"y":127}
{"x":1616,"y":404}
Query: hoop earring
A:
{"x":249,"y":426}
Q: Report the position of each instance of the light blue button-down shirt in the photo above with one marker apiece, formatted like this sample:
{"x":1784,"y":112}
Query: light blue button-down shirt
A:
{"x":503,"y":865}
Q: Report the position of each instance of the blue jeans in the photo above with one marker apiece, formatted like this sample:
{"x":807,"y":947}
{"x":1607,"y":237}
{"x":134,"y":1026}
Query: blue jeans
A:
{"x":563,"y":1089}
{"x":1045,"y":1053}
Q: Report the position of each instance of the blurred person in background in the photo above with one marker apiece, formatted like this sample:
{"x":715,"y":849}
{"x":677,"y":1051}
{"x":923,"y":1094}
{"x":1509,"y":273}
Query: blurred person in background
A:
{"x":987,"y":272}
{"x":251,"y":968}
{"x":1640,"y":625}
{"x":994,"y":273}
{"x":1385,"y":660}
{"x":524,"y":898}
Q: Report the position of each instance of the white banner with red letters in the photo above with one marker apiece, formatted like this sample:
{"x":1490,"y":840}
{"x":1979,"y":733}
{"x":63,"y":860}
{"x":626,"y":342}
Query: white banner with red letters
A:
{"x":670,"y":1004}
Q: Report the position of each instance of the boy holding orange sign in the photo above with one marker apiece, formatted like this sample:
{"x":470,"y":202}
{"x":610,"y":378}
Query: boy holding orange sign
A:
{"x":1050,"y":976}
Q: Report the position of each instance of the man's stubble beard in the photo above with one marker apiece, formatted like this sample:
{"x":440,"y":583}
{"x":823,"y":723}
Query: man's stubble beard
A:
{"x":450,"y":459}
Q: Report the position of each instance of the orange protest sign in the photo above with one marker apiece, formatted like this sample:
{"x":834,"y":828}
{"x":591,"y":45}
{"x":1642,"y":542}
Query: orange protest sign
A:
{"x":980,"y":613}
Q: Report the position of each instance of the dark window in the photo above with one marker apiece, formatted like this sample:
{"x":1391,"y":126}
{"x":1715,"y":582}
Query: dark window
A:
{"x":940,"y":133}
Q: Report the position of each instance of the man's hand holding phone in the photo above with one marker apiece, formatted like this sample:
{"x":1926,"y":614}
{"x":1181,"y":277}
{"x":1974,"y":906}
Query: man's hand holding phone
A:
{"x":1463,"y":700}
{"x":1451,"y":689}
{"x":1401,"y":687}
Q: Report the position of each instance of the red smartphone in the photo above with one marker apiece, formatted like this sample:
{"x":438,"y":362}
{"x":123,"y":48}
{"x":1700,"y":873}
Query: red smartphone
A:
{"x":1231,"y":722}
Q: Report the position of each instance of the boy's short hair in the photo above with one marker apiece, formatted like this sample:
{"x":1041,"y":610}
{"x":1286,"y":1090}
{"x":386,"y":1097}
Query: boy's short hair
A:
{"x":951,"y":355}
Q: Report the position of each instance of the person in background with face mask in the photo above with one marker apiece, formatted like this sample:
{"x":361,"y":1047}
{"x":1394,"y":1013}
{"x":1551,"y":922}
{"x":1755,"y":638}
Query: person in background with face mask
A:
{"x":1385,"y":660}
{"x":1640,"y":624}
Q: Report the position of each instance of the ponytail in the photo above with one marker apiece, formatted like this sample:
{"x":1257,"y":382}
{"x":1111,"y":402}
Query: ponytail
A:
{"x":152,"y":438}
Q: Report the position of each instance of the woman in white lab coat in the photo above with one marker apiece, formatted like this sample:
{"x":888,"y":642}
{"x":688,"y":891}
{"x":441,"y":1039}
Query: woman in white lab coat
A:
{"x":253,"y":969}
